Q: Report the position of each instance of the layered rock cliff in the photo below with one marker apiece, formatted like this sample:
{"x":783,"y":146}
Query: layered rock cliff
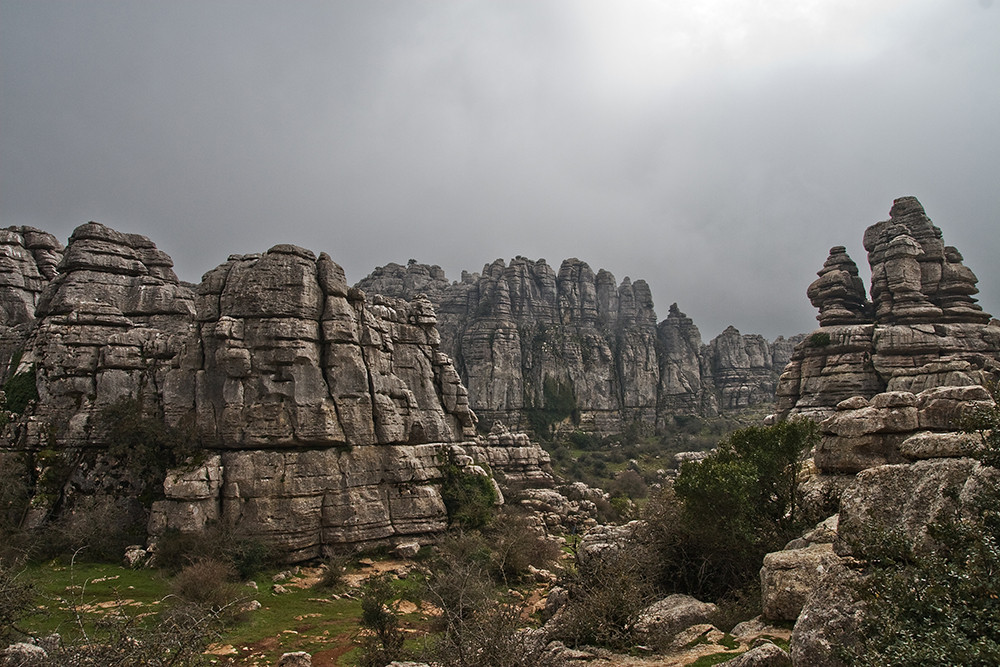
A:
{"x":323,"y":420}
{"x":892,"y":381}
{"x":533,"y":345}
{"x":922,"y":329}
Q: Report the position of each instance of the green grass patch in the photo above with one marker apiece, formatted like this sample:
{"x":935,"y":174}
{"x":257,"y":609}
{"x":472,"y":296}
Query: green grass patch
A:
{"x":87,"y":593}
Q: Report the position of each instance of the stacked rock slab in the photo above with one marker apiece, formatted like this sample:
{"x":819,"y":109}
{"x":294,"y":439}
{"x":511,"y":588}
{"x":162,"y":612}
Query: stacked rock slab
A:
{"x":325,"y":420}
{"x":516,"y":327}
{"x":28,"y":260}
{"x":891,"y":381}
{"x":923,"y":328}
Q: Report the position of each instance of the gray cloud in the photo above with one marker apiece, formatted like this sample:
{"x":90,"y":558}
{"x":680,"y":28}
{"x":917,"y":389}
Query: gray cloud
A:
{"x":716,"y":150}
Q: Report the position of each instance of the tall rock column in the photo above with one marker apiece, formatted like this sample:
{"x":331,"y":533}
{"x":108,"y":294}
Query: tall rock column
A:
{"x":926,"y":330}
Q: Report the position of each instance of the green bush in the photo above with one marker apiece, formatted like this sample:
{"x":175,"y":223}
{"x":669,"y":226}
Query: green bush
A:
{"x":20,"y":390}
{"x":470,"y":498}
{"x":143,"y":443}
{"x":558,"y":404}
{"x":725,"y":513}
{"x":819,"y":339}
{"x":942,"y":607}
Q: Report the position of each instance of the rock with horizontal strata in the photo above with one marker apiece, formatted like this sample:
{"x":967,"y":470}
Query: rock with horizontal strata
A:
{"x":326,"y":419}
{"x":515,"y":327}
{"x":927,"y":331}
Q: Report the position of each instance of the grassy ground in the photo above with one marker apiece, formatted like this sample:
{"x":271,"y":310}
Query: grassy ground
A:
{"x":72,"y":599}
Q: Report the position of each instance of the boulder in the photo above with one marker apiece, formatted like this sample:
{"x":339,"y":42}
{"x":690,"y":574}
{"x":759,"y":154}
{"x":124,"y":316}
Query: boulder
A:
{"x":23,"y":654}
{"x":295,"y":659}
{"x":765,"y":654}
{"x":905,"y":499}
{"x":829,"y":621}
{"x":669,"y":616}
{"x":788,"y":577}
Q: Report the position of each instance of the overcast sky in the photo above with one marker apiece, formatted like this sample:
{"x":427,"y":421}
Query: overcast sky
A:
{"x":716,"y":149}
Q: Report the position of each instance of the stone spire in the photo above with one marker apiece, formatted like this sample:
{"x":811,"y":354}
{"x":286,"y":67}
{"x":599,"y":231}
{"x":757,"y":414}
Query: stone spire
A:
{"x":839,"y":293}
{"x":915,"y":278}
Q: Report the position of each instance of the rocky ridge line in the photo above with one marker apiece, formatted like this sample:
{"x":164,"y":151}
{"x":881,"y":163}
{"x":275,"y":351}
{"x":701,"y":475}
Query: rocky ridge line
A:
{"x":515,"y":327}
{"x":325,"y":421}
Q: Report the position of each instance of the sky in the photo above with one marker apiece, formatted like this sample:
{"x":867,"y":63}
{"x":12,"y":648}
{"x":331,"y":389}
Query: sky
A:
{"x":716,"y":149}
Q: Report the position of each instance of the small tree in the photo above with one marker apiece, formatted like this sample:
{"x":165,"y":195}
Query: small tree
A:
{"x":469,"y":498}
{"x":384,"y":643}
{"x":729,"y":510}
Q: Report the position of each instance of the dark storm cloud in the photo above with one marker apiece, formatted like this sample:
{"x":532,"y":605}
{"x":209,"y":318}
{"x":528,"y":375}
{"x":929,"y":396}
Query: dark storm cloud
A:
{"x":716,"y":150}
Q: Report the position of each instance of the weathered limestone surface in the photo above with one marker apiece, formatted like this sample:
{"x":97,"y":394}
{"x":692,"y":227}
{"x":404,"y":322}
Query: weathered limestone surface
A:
{"x":830,"y":620}
{"x":28,"y":261}
{"x":906,"y":498}
{"x":514,"y":327}
{"x":788,"y":577}
{"x":326,"y":418}
{"x":922,"y":329}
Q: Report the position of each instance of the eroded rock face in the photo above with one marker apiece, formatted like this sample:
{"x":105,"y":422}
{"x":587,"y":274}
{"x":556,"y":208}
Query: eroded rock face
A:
{"x":905,"y":499}
{"x":839,"y":293}
{"x":327,"y":419}
{"x":923,"y":328}
{"x":515,"y":327}
{"x":788,"y":577}
{"x":28,"y":261}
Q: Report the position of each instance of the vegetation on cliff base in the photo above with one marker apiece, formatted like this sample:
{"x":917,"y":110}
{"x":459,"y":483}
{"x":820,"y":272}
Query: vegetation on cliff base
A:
{"x":705,"y":537}
{"x":943,"y":607}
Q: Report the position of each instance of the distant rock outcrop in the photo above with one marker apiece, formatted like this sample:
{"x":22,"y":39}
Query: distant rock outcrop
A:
{"x":325,"y":420}
{"x":523,"y":336}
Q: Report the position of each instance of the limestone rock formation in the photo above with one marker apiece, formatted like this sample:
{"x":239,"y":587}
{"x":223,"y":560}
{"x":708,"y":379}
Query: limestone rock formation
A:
{"x":839,"y":294}
{"x":672,"y":614}
{"x":28,"y":260}
{"x":522,"y":333}
{"x":788,"y":577}
{"x":922,"y":330}
{"x":326,"y":420}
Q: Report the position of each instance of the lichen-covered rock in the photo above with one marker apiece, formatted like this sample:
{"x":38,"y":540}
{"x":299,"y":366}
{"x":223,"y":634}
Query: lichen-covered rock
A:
{"x":671,"y":615}
{"x":905,"y":499}
{"x":830,"y":619}
{"x":788,"y":577}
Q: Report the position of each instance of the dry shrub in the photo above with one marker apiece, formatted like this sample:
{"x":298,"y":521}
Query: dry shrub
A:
{"x":607,"y":598}
{"x":516,"y":545}
{"x":207,"y":584}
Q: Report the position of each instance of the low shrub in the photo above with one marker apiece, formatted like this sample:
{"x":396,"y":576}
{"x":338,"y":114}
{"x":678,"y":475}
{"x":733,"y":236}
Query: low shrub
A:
{"x":17,"y":600}
{"x":245,"y":554}
{"x":209,"y":585}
